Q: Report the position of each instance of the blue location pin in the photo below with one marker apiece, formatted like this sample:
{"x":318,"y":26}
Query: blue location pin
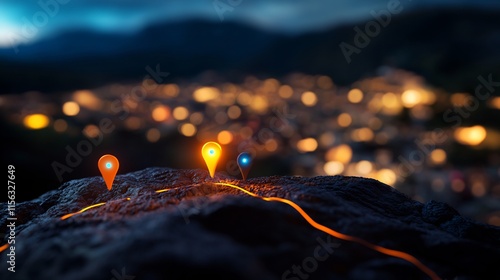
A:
{"x":244,"y":162}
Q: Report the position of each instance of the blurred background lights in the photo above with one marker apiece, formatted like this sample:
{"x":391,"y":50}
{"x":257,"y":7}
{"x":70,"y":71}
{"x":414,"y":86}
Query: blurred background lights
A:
{"x":36,"y":121}
{"x":71,"y":108}
{"x":271,"y":145}
{"x":363,"y":134}
{"x":307,"y":145}
{"x":180,"y":113}
{"x":333,"y":167}
{"x":341,"y":153}
{"x":160,"y":113}
{"x":87,"y":99}
{"x":457,"y":185}
{"x":471,"y":136}
{"x":355,"y":95}
{"x":133,"y":123}
{"x":196,"y":118}
{"x":459,"y":99}
{"x":221,"y":117}
{"x":171,"y":90}
{"x":153,"y":135}
{"x":234,"y":112}
{"x":91,"y":131}
{"x":206,"y":94}
{"x":188,"y":129}
{"x":344,"y":120}
{"x":364,"y":167}
{"x":391,"y":104}
{"x":224,"y":137}
{"x":309,"y":98}
{"x":244,"y":98}
{"x":259,"y":104}
{"x":324,"y":82}
{"x":60,"y":125}
{"x":495,"y":103}
{"x":410,"y":98}
{"x":285,"y":91}
{"x":386,"y":176}
{"x":327,"y":139}
{"x":438,"y":156}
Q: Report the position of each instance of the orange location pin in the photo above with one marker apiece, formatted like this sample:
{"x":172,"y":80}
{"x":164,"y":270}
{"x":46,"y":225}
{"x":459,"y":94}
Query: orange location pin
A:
{"x":211,"y":153}
{"x":108,"y":165}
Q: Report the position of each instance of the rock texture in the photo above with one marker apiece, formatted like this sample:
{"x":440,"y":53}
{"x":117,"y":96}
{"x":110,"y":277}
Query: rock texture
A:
{"x":196,"y":229}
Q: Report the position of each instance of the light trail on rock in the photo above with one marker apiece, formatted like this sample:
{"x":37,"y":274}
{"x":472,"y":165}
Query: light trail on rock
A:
{"x":386,"y":251}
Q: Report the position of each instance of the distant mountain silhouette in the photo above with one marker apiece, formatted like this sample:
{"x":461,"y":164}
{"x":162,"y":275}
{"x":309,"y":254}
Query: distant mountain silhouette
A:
{"x":449,"y":47}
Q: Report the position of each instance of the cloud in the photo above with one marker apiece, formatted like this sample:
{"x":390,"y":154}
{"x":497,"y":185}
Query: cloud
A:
{"x":289,"y":16}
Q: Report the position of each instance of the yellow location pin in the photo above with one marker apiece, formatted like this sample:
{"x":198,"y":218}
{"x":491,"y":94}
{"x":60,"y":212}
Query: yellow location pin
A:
{"x":211,"y":153}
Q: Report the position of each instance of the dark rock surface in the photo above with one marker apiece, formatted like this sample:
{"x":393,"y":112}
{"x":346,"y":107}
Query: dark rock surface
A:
{"x":197,"y":229}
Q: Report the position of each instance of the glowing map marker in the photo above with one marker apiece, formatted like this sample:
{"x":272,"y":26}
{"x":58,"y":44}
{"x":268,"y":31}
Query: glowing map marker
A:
{"x":244,"y":162}
{"x":211,"y":153}
{"x":108,"y":165}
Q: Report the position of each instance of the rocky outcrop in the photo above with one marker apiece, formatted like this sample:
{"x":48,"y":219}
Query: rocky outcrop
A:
{"x":162,"y":223}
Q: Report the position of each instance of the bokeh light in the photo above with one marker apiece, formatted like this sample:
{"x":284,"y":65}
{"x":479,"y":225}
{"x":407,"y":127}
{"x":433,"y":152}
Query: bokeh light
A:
{"x":471,"y":136}
{"x":133,"y":123}
{"x":196,"y":118}
{"x":153,"y":135}
{"x":71,"y":108}
{"x":355,"y":95}
{"x":224,"y":137}
{"x":285,"y":91}
{"x":36,"y":121}
{"x":386,"y":176}
{"x":60,"y":125}
{"x":188,"y":129}
{"x":234,"y":112}
{"x":344,"y":120}
{"x":307,"y":145}
{"x":438,"y":156}
{"x":333,"y":167}
{"x":180,"y":113}
{"x":364,"y":167}
{"x":91,"y":131}
{"x":87,"y":99}
{"x":411,"y":98}
{"x":369,"y":128}
{"x":309,"y":98}
{"x":205,"y":94}
{"x":171,"y":90}
{"x":341,"y":153}
{"x":160,"y":113}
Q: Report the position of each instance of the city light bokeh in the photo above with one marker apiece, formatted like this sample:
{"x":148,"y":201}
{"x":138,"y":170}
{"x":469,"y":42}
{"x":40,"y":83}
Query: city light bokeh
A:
{"x":379,"y":127}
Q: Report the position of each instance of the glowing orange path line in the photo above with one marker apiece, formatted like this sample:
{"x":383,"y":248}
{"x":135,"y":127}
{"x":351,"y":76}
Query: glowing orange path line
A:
{"x":83,"y":210}
{"x":164,"y":190}
{"x":383,"y":250}
{"x":97,"y":205}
